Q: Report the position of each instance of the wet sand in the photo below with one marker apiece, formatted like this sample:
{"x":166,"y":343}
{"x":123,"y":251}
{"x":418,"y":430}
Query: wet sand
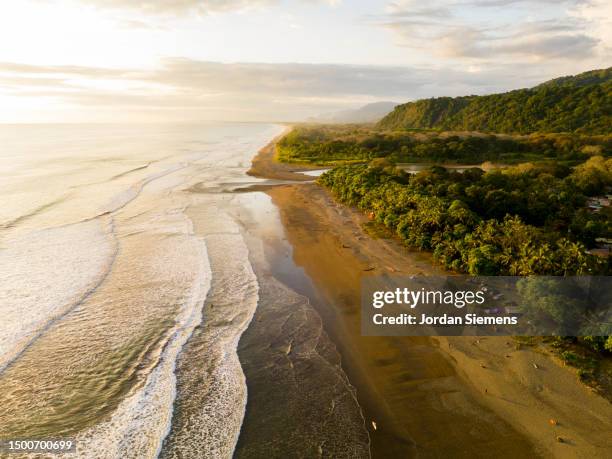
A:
{"x":431,"y":397}
{"x":265,"y":166}
{"x":406,"y":385}
{"x":300,"y":402}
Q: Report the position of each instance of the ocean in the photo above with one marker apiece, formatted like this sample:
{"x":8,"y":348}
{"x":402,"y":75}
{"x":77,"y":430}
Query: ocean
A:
{"x":129,"y":270}
{"x":103,"y":280}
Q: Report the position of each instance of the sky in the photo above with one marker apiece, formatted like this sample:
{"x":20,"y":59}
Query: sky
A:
{"x":279,"y":60}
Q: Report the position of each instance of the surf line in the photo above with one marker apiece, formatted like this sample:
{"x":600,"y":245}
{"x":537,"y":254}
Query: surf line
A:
{"x":52,"y":320}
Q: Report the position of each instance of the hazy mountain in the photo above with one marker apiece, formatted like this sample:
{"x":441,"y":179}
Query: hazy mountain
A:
{"x":369,"y":113}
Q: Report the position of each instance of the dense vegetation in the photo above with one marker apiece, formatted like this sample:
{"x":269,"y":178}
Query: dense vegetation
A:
{"x":527,"y":219}
{"x":578,"y":104}
{"x":523,"y":220}
{"x":333,"y":145}
{"x":531,"y":218}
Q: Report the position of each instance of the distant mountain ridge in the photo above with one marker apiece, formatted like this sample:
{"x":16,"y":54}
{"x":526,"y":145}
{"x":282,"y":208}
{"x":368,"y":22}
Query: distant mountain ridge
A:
{"x":581,"y":103}
{"x":370,"y":113}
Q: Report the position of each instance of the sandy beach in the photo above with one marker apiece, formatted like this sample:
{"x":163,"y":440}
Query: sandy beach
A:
{"x":429,"y":397}
{"x":264,"y":165}
{"x":219,"y":218}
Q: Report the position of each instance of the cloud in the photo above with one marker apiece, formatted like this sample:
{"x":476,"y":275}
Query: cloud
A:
{"x":575,"y":46}
{"x":190,"y":89}
{"x":533,"y":41}
{"x":498,"y":30}
{"x":597,"y":17}
{"x":178,"y":7}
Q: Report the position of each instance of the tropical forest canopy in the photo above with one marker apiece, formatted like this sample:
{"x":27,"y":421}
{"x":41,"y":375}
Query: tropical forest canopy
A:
{"x":529,"y":216}
{"x":578,"y":104}
{"x":522,"y":220}
{"x":526,"y":219}
{"x":328,"y":145}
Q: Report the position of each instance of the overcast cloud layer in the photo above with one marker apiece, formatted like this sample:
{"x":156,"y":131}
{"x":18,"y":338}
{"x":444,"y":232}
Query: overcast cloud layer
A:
{"x":187,"y":6}
{"x":436,"y":48}
{"x":499,"y":30}
{"x":190,"y":89}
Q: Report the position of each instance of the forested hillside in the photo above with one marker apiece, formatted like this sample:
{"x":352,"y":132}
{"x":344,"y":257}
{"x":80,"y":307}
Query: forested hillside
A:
{"x":579,"y":104}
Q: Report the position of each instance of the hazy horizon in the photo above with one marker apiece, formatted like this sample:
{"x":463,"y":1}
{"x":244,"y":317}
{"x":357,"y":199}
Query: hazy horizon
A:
{"x":272,"y":60}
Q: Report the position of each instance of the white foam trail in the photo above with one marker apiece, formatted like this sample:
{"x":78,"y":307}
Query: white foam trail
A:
{"x":44,"y":274}
{"x":56,"y":257}
{"x":140,"y":423}
{"x":212,"y":414}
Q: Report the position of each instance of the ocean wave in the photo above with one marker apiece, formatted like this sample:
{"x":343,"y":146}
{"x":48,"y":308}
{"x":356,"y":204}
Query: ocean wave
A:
{"x":208,"y":416}
{"x":45,"y":275}
{"x":142,"y":420}
{"x":32,"y":213}
{"x":46,"y":272}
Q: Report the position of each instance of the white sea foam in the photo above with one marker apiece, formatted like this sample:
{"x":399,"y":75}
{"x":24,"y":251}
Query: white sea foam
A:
{"x":45,"y":274}
{"x":138,"y":426}
{"x":50,"y":264}
{"x":212,"y":414}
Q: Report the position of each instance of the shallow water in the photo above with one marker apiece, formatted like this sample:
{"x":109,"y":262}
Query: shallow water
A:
{"x":103,"y":280}
{"x":301,"y":403}
{"x":129,"y":271}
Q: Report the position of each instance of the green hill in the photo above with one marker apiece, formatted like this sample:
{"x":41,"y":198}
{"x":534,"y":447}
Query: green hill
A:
{"x":580,"y":103}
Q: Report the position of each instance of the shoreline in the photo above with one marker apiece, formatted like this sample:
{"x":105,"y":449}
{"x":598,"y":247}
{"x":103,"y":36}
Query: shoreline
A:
{"x":405,"y":385}
{"x":265,"y":166}
{"x":427,"y":396}
{"x":288,"y":359}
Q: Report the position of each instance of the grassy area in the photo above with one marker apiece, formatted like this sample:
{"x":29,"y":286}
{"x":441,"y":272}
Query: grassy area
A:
{"x":335,"y":145}
{"x":593,"y":368}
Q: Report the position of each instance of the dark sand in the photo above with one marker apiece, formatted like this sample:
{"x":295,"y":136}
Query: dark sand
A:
{"x":429,"y":397}
{"x":405,"y":385}
{"x":300,"y":402}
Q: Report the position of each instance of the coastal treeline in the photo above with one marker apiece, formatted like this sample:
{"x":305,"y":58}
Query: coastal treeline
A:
{"x":540,"y":215}
{"x":578,"y":104}
{"x":333,"y":145}
{"x":522,"y":220}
